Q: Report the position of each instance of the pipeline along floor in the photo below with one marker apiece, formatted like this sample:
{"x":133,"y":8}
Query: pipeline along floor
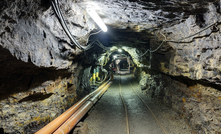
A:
{"x":108,"y":115}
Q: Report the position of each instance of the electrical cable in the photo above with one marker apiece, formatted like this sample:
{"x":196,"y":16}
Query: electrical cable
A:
{"x":90,"y":45}
{"x":91,"y":35}
{"x":105,"y":76}
{"x":60,"y":17}
{"x":177,"y":41}
{"x":102,"y":46}
{"x":105,"y":62}
{"x":192,"y":34}
{"x":63,"y":23}
{"x":155,"y":49}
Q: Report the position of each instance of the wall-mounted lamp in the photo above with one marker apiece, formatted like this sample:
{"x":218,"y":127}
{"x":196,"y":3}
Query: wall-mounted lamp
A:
{"x":97,"y":19}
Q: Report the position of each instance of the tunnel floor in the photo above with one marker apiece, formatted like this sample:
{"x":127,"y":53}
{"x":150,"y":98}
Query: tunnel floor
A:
{"x":108,"y":115}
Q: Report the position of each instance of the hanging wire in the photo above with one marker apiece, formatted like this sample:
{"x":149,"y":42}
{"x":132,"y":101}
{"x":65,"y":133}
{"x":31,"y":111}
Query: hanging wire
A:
{"x":91,"y":35}
{"x":60,"y":17}
{"x":192,"y":34}
{"x":102,"y":46}
{"x":178,"y":40}
{"x":148,"y":50}
{"x":57,"y":10}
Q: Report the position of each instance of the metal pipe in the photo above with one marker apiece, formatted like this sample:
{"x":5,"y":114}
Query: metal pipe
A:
{"x":76,"y":117}
{"x":53,"y":125}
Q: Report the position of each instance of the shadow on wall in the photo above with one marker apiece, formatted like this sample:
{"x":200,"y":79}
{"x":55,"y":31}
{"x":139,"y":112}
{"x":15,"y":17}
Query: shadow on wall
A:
{"x":18,"y":76}
{"x":191,"y":83}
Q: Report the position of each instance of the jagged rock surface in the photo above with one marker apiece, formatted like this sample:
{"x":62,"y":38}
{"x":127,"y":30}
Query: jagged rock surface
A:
{"x":199,"y":103}
{"x":40,"y":73}
{"x":141,"y":15}
{"x":197,"y":57}
{"x":31,"y":31}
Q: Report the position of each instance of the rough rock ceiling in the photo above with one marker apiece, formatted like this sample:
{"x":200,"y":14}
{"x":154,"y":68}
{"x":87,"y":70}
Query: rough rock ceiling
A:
{"x":194,"y":58}
{"x":147,"y":14}
{"x":26,"y":23}
{"x":32,"y":33}
{"x":132,"y":22}
{"x":125,"y":37}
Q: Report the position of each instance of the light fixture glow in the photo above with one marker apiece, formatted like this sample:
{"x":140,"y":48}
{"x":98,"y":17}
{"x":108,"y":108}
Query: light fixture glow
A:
{"x":97,"y":19}
{"x":115,"y":56}
{"x":119,"y":50}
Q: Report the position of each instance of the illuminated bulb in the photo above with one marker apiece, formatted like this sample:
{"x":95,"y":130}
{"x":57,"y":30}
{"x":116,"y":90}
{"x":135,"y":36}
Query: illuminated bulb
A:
{"x":119,"y":50}
{"x":97,"y":19}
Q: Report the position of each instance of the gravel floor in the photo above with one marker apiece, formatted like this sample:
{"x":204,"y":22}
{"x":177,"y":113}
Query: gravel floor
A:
{"x":108,"y":115}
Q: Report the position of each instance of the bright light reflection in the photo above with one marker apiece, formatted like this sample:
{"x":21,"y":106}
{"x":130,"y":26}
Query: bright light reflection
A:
{"x":115,"y":56}
{"x":119,"y":50}
{"x":97,"y":19}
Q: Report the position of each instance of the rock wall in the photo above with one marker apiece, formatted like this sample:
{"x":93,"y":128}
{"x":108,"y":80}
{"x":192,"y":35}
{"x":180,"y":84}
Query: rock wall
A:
{"x":185,"y":74}
{"x":198,"y":102}
{"x":197,"y":57}
{"x":41,"y":75}
{"x":31,"y":96}
{"x":31,"y":31}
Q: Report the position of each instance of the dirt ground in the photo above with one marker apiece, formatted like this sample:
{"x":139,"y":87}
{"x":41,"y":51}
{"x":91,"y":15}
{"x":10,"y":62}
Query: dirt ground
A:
{"x":108,"y":115}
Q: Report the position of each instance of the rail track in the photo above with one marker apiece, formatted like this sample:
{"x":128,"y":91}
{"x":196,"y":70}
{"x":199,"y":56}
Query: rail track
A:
{"x":121,"y":110}
{"x":140,"y":98}
{"x":125,"y":110}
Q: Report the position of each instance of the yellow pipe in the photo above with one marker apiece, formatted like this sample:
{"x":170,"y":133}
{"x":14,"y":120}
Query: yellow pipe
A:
{"x":94,"y":76}
{"x":97,"y":74}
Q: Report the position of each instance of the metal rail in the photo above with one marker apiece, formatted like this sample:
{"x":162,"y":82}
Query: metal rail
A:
{"x":125,"y":108}
{"x":56,"y":123}
{"x":149,"y":109}
{"x":127,"y":120}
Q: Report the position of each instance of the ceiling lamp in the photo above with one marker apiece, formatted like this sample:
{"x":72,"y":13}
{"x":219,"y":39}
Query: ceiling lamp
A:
{"x":120,"y":50}
{"x":97,"y":19}
{"x":115,"y":56}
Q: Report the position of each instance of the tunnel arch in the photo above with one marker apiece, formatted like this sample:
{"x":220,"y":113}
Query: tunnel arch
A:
{"x":130,"y":51}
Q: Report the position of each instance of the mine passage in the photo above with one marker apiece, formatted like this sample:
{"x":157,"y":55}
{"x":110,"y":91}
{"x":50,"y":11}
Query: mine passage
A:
{"x":57,"y":58}
{"x":108,"y":116}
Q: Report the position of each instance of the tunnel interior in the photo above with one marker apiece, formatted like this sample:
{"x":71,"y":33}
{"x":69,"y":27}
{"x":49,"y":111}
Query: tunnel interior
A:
{"x":172,"y":47}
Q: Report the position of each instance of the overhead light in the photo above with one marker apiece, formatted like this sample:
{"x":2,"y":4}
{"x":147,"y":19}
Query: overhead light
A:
{"x":119,"y":50}
{"x":115,"y":56}
{"x":97,"y":19}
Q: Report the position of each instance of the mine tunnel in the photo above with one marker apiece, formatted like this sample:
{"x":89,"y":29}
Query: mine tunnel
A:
{"x":142,"y":66}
